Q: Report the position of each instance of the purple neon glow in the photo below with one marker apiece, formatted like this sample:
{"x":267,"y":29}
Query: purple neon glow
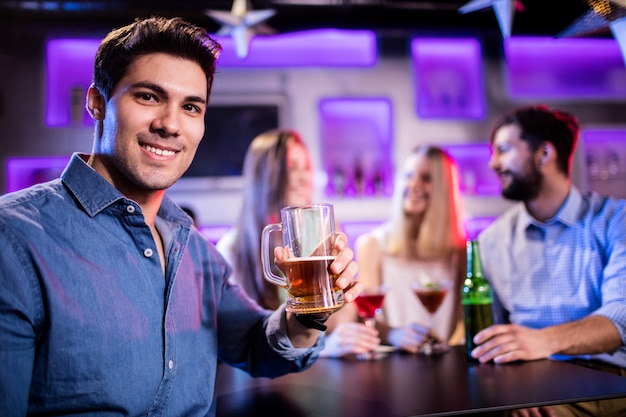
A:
{"x":605,"y":154}
{"x":356,"y":145}
{"x":355,"y":229}
{"x":449,"y":78}
{"x":475,"y":225}
{"x":476,"y":178}
{"x":543,"y":68}
{"x":69,"y":69}
{"x":24,"y":172}
{"x":214,"y":232}
{"x":69,"y":63}
{"x":605,"y":160}
{"x":318,"y":48}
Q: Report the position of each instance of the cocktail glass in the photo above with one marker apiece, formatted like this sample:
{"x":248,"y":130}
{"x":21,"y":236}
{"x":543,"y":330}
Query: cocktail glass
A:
{"x":431,"y":293}
{"x":368,"y":304}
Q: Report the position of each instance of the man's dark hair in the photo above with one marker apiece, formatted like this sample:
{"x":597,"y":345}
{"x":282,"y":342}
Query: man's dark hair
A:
{"x":121,"y":47}
{"x":540,"y":124}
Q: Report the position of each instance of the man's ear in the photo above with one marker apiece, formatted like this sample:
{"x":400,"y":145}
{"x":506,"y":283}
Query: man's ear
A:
{"x":546,"y":152}
{"x":96,"y":104}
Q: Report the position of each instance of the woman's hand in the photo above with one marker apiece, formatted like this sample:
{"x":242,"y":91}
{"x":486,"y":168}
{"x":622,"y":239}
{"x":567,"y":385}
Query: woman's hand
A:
{"x":350,"y":338}
{"x":408,"y":338}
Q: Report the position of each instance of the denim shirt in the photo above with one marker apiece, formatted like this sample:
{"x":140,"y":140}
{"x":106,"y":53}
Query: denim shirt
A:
{"x":569,"y":267}
{"x":89,"y":324}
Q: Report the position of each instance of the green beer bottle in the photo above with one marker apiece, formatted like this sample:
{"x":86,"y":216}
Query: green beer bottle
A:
{"x":476,"y":297}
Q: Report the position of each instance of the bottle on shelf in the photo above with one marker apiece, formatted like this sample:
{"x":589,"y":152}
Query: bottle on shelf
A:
{"x":476,"y":297}
{"x":338,"y":181}
{"x":359,"y":176}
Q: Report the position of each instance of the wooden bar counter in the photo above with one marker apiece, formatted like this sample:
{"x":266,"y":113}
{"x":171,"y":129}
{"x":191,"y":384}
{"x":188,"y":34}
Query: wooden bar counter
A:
{"x":402,"y":385}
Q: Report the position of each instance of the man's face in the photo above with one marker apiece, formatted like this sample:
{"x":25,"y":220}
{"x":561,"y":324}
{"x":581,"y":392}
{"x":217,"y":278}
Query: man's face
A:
{"x":153,"y":124}
{"x":515,"y":165}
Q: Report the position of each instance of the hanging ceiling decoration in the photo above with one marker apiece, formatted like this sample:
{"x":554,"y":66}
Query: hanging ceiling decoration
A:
{"x":540,"y":17}
{"x":241,"y":23}
{"x":504,"y":10}
{"x":602,"y":14}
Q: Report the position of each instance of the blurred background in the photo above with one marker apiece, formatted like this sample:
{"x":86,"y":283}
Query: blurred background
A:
{"x":363,"y":81}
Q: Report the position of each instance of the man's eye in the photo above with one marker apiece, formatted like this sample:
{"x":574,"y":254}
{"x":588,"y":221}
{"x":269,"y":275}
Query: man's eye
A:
{"x":146,"y":96}
{"x":192,"y":108}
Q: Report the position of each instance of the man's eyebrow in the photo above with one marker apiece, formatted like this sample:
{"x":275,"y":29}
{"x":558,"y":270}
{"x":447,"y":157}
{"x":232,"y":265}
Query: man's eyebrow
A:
{"x":150,"y":86}
{"x":158,"y":89}
{"x":196,"y":99}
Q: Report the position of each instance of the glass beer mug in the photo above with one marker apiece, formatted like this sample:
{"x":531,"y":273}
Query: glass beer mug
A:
{"x":309,"y":236}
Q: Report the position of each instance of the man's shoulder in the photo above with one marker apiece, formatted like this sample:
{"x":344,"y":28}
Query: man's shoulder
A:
{"x":502,"y":224}
{"x":596,"y":202}
{"x":31,"y":196}
{"x":603,"y":212}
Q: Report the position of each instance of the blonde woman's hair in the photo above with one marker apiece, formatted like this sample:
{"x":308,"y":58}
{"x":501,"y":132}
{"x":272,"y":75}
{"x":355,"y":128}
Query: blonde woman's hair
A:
{"x":442,"y":232}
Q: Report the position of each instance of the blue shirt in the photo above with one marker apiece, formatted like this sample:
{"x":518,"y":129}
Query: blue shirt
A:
{"x":570,"y":267}
{"x":90,"y":325}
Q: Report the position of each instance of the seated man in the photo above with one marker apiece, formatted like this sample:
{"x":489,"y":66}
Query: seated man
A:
{"x":556,"y":260}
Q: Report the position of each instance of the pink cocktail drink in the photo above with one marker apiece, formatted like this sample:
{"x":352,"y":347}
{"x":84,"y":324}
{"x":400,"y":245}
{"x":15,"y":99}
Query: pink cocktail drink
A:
{"x":369,"y":304}
{"x":431,"y":299}
{"x":431,"y":295}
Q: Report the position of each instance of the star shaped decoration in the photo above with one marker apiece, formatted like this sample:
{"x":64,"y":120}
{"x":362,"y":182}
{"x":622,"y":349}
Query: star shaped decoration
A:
{"x":601,"y":15}
{"x":241,"y":23}
{"x":504,"y":10}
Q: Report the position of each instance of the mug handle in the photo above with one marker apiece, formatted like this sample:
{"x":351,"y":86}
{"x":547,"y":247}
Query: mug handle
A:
{"x":265,"y":255}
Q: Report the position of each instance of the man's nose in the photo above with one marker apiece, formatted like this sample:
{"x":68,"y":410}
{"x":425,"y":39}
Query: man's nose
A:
{"x":168,"y":121}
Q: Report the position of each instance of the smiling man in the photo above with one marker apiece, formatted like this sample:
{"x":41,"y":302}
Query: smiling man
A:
{"x":111,"y":302}
{"x":556,"y":260}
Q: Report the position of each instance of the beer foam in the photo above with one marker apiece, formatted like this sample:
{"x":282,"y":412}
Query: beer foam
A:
{"x":312,"y":258}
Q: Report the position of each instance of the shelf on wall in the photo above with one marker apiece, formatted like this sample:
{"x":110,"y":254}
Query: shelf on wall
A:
{"x":475,"y":176}
{"x":26,"y":171}
{"x":448,"y":75}
{"x":605,"y":160}
{"x":564,"y":68}
{"x":69,"y":70}
{"x":356,"y":144}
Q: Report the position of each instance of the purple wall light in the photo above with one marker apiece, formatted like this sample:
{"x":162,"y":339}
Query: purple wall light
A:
{"x":356,"y":145}
{"x":605,"y":160}
{"x":69,"y":63}
{"x":476,"y":178}
{"x":449,"y":78}
{"x":317,"y":48}
{"x":24,"y":172}
{"x":564,"y":68}
{"x":69,"y":70}
{"x":475,"y":225}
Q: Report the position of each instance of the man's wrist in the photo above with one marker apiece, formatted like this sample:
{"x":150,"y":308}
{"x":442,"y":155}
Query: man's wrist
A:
{"x":311,"y":321}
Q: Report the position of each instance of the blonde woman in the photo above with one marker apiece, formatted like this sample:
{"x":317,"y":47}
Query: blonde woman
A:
{"x":424,"y":235}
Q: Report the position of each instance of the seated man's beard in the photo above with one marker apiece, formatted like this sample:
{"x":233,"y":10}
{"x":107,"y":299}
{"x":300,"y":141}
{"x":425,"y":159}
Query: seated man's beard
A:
{"x":523,"y":188}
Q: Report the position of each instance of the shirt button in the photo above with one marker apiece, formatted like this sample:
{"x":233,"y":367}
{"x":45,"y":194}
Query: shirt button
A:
{"x":130,"y":208}
{"x":147,"y":253}
{"x":170,"y":364}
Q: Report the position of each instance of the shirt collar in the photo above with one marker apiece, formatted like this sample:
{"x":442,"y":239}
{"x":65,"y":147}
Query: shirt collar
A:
{"x":94,"y":193}
{"x":567,"y":214}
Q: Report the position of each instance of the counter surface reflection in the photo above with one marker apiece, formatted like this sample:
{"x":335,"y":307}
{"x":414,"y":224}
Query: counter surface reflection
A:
{"x":401,"y":385}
